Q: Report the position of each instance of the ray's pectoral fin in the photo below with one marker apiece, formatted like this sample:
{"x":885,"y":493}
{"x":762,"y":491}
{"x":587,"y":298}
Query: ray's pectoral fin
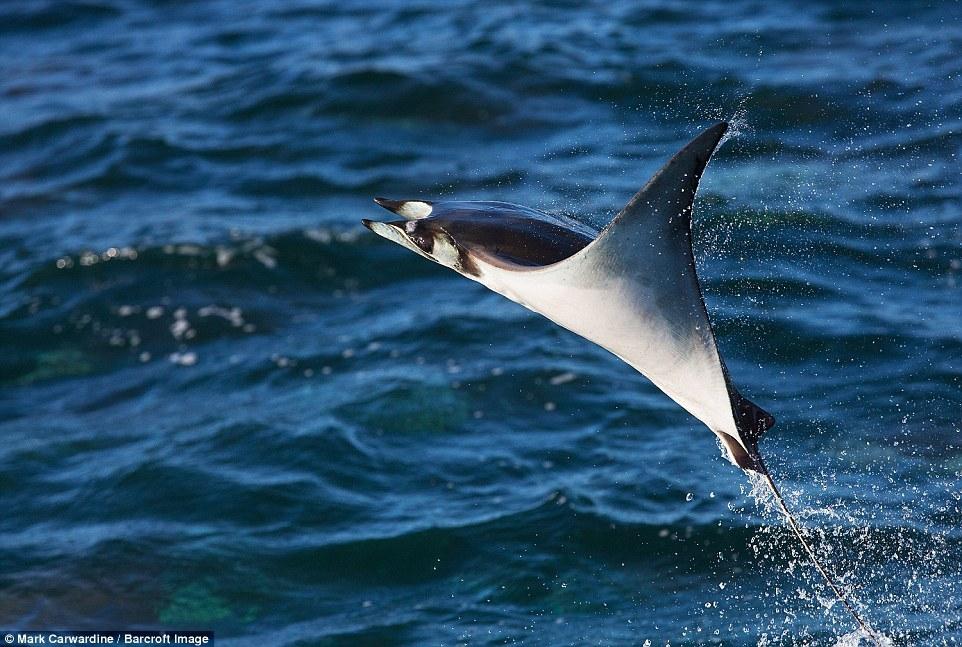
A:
{"x":635,"y":292}
{"x":659,"y":217}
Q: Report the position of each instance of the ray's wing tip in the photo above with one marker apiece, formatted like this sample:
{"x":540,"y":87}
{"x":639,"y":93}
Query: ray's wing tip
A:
{"x":715,"y":132}
{"x":700,"y":149}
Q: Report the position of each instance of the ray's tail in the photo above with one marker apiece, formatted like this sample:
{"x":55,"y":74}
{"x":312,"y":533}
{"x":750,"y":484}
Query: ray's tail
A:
{"x":796,"y":528}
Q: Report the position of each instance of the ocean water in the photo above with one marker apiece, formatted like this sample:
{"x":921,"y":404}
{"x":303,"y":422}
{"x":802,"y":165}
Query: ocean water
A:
{"x":225,"y":405}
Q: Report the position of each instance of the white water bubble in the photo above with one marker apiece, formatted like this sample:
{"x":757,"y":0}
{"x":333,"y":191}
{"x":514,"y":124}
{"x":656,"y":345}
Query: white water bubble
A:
{"x":179,"y":328}
{"x":184,"y":359}
{"x":562,"y":378}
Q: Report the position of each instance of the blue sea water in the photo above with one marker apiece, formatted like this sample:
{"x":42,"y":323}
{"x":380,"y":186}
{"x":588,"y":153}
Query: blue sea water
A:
{"x":226,"y":405}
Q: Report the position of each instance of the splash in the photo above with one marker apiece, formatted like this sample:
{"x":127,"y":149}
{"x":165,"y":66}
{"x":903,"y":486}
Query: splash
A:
{"x":862,"y":552}
{"x":737,"y":123}
{"x":858,"y":638}
{"x":762,"y":495}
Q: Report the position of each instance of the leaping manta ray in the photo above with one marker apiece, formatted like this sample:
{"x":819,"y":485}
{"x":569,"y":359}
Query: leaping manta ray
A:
{"x":632,"y":289}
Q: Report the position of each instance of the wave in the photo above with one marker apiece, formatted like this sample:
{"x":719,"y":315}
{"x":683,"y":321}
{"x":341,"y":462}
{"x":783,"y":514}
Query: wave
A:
{"x":85,"y":312}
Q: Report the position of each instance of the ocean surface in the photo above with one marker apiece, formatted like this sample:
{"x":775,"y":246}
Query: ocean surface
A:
{"x":226,"y":405}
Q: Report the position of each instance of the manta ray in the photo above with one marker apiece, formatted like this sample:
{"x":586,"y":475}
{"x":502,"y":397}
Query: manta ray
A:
{"x":631,"y":288}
